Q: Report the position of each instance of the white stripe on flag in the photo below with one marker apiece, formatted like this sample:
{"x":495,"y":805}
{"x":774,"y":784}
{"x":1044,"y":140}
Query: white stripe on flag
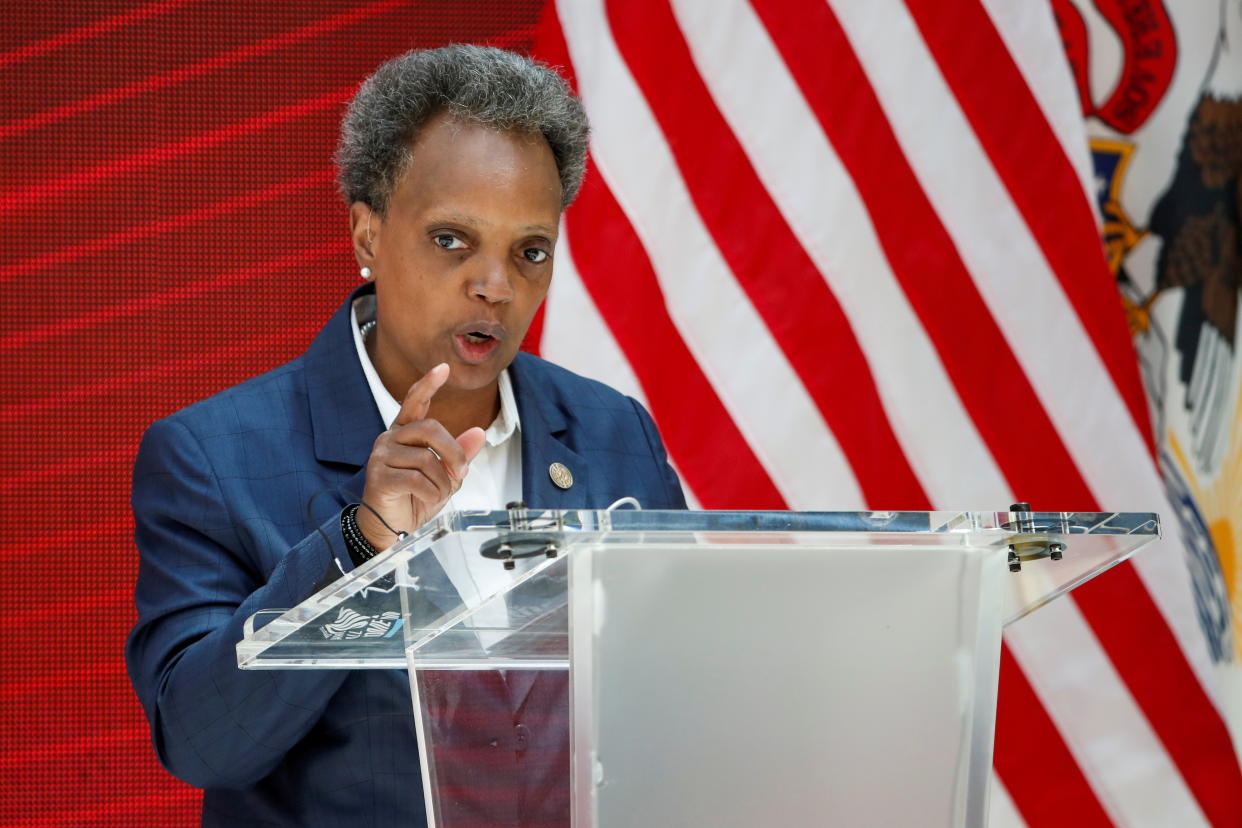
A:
{"x":1162,"y":569}
{"x":1110,"y":738}
{"x":1022,"y":294}
{"x":792,"y":157}
{"x":1006,"y":265}
{"x":734,"y":348}
{"x":1030,"y":34}
{"x":1002,"y":813}
{"x":575,"y":336}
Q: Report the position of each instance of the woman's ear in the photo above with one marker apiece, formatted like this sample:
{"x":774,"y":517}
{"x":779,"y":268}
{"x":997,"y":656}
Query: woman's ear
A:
{"x":364,"y":228}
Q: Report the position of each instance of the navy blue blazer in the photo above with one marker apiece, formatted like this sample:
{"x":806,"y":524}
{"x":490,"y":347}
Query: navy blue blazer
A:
{"x":220,"y":498}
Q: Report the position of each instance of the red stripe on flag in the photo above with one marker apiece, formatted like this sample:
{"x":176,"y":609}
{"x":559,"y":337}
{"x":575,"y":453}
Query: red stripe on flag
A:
{"x":1140,"y":644}
{"x":1039,"y":177}
{"x":764,"y":254}
{"x":714,"y":457}
{"x":1047,"y":786}
{"x":825,"y":67}
{"x":978,"y":360}
{"x":712,"y":454}
{"x":534,"y":334}
{"x":1041,"y":180}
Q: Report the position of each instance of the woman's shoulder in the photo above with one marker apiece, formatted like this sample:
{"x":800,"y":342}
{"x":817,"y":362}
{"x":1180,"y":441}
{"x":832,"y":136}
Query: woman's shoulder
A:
{"x":273,"y":403}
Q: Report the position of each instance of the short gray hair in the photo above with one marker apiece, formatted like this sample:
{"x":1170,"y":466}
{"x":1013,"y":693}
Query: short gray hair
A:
{"x":476,"y":83}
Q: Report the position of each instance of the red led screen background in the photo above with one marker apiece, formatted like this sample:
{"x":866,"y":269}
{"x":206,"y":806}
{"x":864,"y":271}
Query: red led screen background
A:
{"x":168,"y":227}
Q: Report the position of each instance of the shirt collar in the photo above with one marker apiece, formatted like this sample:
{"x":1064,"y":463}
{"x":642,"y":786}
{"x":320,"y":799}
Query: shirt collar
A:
{"x":501,"y":429}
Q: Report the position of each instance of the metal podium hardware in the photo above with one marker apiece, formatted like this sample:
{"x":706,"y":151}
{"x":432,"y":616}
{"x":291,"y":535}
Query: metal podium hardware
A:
{"x":1032,"y":542}
{"x":524,"y":540}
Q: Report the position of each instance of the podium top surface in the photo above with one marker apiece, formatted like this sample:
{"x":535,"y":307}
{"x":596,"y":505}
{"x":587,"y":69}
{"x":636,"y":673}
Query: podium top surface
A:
{"x":407,"y":602}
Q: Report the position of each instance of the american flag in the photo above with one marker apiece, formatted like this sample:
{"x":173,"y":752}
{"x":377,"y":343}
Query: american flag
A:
{"x":846,"y":253}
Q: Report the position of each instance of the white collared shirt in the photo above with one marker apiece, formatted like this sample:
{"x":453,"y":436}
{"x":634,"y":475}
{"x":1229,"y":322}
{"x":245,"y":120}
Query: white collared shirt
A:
{"x":494,"y":479}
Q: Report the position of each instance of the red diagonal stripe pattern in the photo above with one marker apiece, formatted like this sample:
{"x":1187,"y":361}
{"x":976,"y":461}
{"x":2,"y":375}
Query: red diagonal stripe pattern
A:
{"x":168,"y":152}
{"x":1039,"y":177}
{"x":1021,"y":720}
{"x":169,"y":228}
{"x":987,"y":376}
{"x":796,"y":305}
{"x":719,"y":465}
{"x":215,"y":63}
{"x":88,"y":31}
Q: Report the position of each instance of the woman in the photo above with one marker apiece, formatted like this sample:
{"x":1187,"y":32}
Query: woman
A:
{"x":456,"y":164}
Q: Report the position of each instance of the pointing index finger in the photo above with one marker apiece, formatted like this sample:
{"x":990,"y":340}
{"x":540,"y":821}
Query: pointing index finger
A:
{"x":418,"y":398}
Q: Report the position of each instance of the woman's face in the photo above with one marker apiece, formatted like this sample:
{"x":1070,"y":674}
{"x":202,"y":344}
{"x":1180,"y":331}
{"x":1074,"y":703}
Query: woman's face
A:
{"x":464,"y":256}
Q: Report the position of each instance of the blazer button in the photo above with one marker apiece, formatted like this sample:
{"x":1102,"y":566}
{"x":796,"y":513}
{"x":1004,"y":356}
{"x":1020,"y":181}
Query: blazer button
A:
{"x":522,"y":740}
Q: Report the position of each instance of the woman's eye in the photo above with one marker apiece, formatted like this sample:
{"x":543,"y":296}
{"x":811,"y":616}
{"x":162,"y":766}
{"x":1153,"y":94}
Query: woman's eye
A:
{"x":448,"y":241}
{"x":534,"y":254}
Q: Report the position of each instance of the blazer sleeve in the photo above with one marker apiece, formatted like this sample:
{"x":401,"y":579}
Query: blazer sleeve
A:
{"x":669,"y":482}
{"x":213,"y":725}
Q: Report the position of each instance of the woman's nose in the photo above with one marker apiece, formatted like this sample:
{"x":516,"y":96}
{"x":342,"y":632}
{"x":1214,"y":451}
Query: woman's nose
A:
{"x":492,"y":282}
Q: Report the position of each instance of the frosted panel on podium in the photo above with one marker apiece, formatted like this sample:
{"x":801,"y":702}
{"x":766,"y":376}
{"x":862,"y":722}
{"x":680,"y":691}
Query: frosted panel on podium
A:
{"x":868,"y":702}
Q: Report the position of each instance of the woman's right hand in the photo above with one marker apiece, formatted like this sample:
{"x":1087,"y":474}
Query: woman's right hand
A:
{"x":415,"y":466}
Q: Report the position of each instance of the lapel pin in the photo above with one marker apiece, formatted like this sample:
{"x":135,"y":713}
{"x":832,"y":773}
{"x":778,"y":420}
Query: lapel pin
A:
{"x":561,"y":475}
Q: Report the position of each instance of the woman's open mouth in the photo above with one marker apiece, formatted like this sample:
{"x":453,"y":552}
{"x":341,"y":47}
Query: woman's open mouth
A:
{"x":475,"y":346}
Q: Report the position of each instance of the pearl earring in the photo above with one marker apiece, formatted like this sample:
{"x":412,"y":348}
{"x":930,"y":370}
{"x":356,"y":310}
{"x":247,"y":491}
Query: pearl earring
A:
{"x":365,"y":273}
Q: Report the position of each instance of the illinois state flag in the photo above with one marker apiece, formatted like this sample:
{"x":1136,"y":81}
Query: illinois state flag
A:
{"x":1161,"y":89}
{"x":848,"y":255}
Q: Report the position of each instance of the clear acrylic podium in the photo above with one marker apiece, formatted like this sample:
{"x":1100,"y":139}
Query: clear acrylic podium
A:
{"x":713,"y":668}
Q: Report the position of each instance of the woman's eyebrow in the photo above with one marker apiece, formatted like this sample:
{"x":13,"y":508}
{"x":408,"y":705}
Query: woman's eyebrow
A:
{"x":455,"y":218}
{"x":475,"y":221}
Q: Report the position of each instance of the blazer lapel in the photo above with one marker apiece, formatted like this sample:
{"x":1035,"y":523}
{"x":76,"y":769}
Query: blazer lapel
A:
{"x":343,"y":412}
{"x":544,"y":443}
{"x":344,"y":419}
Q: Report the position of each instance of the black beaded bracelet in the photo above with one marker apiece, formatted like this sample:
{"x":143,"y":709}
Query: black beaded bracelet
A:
{"x":360,"y":549}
